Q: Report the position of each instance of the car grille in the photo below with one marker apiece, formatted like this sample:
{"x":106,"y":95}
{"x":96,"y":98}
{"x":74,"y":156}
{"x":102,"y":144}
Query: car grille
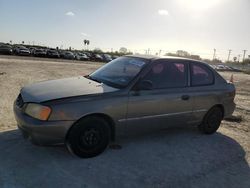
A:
{"x":19,"y":101}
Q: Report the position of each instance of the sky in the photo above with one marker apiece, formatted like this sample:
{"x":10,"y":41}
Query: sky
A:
{"x":196,"y":26}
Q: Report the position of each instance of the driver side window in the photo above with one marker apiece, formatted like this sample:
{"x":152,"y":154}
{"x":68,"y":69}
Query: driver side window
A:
{"x":166,"y":74}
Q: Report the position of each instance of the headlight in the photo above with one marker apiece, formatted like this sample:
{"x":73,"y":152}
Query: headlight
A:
{"x":38,"y":111}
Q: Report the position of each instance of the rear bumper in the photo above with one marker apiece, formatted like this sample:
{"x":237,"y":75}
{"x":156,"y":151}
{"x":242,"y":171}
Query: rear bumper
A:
{"x":229,"y":108}
{"x":41,"y":132}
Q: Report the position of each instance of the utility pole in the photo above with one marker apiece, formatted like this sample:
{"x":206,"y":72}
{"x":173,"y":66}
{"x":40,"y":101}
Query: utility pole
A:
{"x":244,"y":53}
{"x":214,"y":54}
{"x":229,"y":53}
{"x":160,"y":52}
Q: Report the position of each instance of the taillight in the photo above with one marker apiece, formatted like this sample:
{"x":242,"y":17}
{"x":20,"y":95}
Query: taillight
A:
{"x":232,"y":93}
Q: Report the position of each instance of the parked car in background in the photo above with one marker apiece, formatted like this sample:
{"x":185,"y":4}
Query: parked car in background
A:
{"x":221,"y":67}
{"x":91,"y":55}
{"x":6,"y":49}
{"x":21,"y":50}
{"x":68,"y":55}
{"x":81,"y":56}
{"x":114,"y":57}
{"x":61,"y":52}
{"x":106,"y":58}
{"x":128,"y":95}
{"x":53,"y":53}
{"x":97,"y":57}
{"x":32,"y":49}
{"x":39,"y":52}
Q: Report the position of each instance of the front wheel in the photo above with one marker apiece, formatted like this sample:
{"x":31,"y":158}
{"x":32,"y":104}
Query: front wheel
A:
{"x":211,"y":121}
{"x":89,"y":137}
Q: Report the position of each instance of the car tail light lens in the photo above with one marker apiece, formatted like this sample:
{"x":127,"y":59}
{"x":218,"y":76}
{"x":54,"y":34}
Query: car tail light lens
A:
{"x":232,"y":94}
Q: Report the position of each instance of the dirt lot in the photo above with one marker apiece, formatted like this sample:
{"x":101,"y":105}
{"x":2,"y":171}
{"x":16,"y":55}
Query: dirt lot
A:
{"x":180,"y":157}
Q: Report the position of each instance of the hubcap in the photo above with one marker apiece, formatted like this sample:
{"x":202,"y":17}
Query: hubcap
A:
{"x":213,"y":121}
{"x":90,"y":137}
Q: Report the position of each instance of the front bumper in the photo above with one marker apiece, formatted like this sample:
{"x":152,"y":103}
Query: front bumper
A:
{"x":41,"y":132}
{"x":7,"y":52}
{"x":54,"y":55}
{"x":24,"y":53}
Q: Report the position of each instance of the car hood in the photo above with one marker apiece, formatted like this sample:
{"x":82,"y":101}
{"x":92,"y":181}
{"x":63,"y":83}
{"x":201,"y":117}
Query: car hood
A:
{"x":62,"y":88}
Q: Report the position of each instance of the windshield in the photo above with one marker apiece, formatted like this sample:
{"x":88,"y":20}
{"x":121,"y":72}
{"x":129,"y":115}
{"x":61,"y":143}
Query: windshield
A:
{"x":23,"y":48}
{"x":69,"y":53}
{"x":52,"y":51}
{"x":119,"y":72}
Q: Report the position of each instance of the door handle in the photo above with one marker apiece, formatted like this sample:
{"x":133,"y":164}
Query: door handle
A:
{"x":185,"y":97}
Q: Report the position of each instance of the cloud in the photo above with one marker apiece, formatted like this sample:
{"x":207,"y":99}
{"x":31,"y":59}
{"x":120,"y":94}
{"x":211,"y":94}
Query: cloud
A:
{"x":70,"y":13}
{"x":163,"y":12}
{"x":85,"y":34}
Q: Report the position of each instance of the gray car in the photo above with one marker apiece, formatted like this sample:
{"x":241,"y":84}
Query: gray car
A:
{"x":127,"y":95}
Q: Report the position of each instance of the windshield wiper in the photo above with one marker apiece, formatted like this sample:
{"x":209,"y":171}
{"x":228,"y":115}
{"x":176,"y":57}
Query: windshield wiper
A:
{"x":94,"y":79}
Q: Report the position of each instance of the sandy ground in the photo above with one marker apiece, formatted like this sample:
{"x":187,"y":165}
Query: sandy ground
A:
{"x":180,"y":157}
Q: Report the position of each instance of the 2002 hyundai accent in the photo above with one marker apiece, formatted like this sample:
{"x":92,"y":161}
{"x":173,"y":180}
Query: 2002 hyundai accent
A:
{"x":129,"y":93}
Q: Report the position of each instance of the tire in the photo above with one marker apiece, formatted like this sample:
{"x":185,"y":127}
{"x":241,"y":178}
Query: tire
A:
{"x":211,"y":121}
{"x":89,"y":137}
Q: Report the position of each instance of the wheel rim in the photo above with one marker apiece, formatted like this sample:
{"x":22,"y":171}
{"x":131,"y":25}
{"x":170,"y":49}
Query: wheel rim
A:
{"x":90,"y":138}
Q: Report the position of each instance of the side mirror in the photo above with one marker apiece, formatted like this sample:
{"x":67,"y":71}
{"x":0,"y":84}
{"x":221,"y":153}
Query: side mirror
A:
{"x":145,"y":85}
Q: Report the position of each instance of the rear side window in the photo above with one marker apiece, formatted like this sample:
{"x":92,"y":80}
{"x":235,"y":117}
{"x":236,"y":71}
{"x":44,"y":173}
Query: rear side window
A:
{"x":166,"y":74}
{"x":201,"y":75}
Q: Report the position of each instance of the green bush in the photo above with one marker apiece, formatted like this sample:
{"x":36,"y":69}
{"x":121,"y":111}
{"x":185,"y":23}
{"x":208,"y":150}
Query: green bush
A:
{"x":246,"y":61}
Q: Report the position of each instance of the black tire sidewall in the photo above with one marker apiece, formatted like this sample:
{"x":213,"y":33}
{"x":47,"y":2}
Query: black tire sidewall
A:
{"x":76,"y":131}
{"x":205,"y":127}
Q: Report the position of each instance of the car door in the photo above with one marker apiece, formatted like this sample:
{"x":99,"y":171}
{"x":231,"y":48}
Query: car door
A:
{"x":168,"y":103}
{"x":204,"y":93}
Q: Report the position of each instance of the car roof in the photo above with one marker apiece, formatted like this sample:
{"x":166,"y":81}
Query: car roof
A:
{"x":153,"y":57}
{"x":148,"y":57}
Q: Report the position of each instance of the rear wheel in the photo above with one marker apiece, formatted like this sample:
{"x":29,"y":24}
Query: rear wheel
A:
{"x":211,"y":121}
{"x":89,"y":137}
